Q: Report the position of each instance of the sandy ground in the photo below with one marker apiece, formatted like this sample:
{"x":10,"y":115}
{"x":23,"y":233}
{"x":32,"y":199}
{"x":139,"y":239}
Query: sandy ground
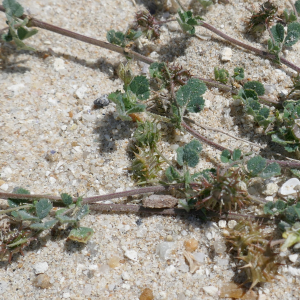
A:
{"x":51,"y":141}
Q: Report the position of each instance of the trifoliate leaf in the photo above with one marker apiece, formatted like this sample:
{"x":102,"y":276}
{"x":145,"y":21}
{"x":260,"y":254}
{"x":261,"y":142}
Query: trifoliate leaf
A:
{"x":81,"y":234}
{"x":43,"y":207}
{"x":256,"y":86}
{"x":293,"y":34}
{"x":191,"y":157}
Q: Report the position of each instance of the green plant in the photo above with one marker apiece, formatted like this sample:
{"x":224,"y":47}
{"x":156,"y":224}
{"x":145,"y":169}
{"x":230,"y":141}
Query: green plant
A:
{"x":166,"y":99}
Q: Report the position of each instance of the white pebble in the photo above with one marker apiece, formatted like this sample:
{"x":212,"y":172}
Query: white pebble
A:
{"x":125,"y":276}
{"x":293,"y":257}
{"x":287,"y":189}
{"x":231,"y":224}
{"x":211,"y":290}
{"x":16,"y":88}
{"x":52,"y":180}
{"x":4,"y":187}
{"x":80,"y":93}
{"x":58,"y":64}
{"x":40,"y":268}
{"x":226,"y":54}
{"x":66,"y":295}
{"x":222,"y":224}
{"x":164,"y":249}
{"x":271,"y":189}
{"x":131,"y":254}
{"x":293,"y":271}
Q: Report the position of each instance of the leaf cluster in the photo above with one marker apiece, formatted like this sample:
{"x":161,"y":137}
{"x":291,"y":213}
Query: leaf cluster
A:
{"x":17,"y":30}
{"x":187,"y":21}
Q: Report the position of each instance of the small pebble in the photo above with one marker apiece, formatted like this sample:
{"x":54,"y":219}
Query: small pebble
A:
{"x":169,"y":238}
{"x":287,"y":189}
{"x":131,"y":254}
{"x":58,"y":64}
{"x":293,"y":257}
{"x":80,"y":93}
{"x":226,"y":54}
{"x":40,"y":268}
{"x":147,"y":294}
{"x":114,"y":262}
{"x":211,"y":290}
{"x":271,"y":189}
{"x":42,"y":281}
{"x":191,"y":245}
{"x":222,"y":224}
{"x":231,"y":224}
{"x":101,"y":101}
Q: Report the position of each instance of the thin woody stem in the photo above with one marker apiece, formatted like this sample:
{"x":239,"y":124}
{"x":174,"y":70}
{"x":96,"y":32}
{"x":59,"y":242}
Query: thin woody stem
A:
{"x":262,"y":53}
{"x":203,"y":138}
{"x":33,"y":22}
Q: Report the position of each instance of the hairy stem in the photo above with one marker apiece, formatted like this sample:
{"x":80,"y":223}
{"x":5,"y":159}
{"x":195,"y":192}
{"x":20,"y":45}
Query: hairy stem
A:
{"x":33,"y":22}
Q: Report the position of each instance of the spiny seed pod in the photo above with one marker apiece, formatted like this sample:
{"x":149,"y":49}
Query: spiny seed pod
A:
{"x":245,"y":234}
{"x":262,"y":264}
{"x":146,"y":20}
{"x":222,"y":191}
{"x":263,"y":18}
{"x":176,"y":74}
{"x":253,"y":247}
{"x":146,"y":165}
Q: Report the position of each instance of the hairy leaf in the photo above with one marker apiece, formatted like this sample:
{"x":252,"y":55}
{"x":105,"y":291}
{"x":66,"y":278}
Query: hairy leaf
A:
{"x":239,"y":73}
{"x":13,"y":8}
{"x":81,"y":234}
{"x":256,"y":164}
{"x":43,"y":207}
{"x":23,"y":215}
{"x":278,"y":32}
{"x":271,"y":170}
{"x":66,"y":198}
{"x":43,"y":226}
{"x":140,"y":86}
{"x":116,"y":37}
{"x":256,"y":86}
{"x":84,"y":210}
{"x":24,"y":33}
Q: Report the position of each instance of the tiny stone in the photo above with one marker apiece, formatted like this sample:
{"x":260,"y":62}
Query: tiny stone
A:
{"x":114,"y":262}
{"x":211,"y":290}
{"x":58,"y":64}
{"x":104,"y":269}
{"x":287,"y":189}
{"x":42,"y":281}
{"x":169,"y":238}
{"x":40,"y":268}
{"x":131,"y":254}
{"x":231,"y":224}
{"x":293,"y":257}
{"x":101,"y":101}
{"x":125,"y":276}
{"x":163,"y":249}
{"x":271,"y":189}
{"x":52,"y":180}
{"x":226,"y":54}
{"x":80,"y":93}
{"x":147,"y":294}
{"x":4,"y":187}
{"x":222,"y":224}
{"x":191,"y":245}
{"x":66,"y":295}
{"x":199,"y":256}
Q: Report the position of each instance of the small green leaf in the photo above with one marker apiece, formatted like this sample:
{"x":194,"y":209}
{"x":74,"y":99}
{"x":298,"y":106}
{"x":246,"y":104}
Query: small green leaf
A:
{"x":191,"y":157}
{"x":291,"y":214}
{"x":23,"y":215}
{"x":43,"y":207}
{"x":297,"y":6}
{"x":23,"y":33}
{"x":81,"y":234}
{"x":256,"y":164}
{"x":180,"y":153}
{"x":43,"y":226}
{"x":278,"y":32}
{"x":155,"y":70}
{"x":140,"y":86}
{"x":194,"y":145}
{"x":133,"y":34}
{"x":271,"y":170}
{"x":236,"y":155}
{"x":172,"y":174}
{"x":221,"y":75}
{"x":205,"y":3}
{"x":295,"y":172}
{"x":84,"y":210}
{"x":18,"y":243}
{"x":187,"y":21}
{"x":225,"y":156}
{"x":13,"y":8}
{"x":278,"y":140}
{"x":293,"y":34}
{"x":79,"y":202}
{"x":256,"y":86}
{"x":191,"y":92}
{"x":21,"y":45}
{"x":116,"y":37}
{"x":66,"y":198}
{"x":239,"y":73}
